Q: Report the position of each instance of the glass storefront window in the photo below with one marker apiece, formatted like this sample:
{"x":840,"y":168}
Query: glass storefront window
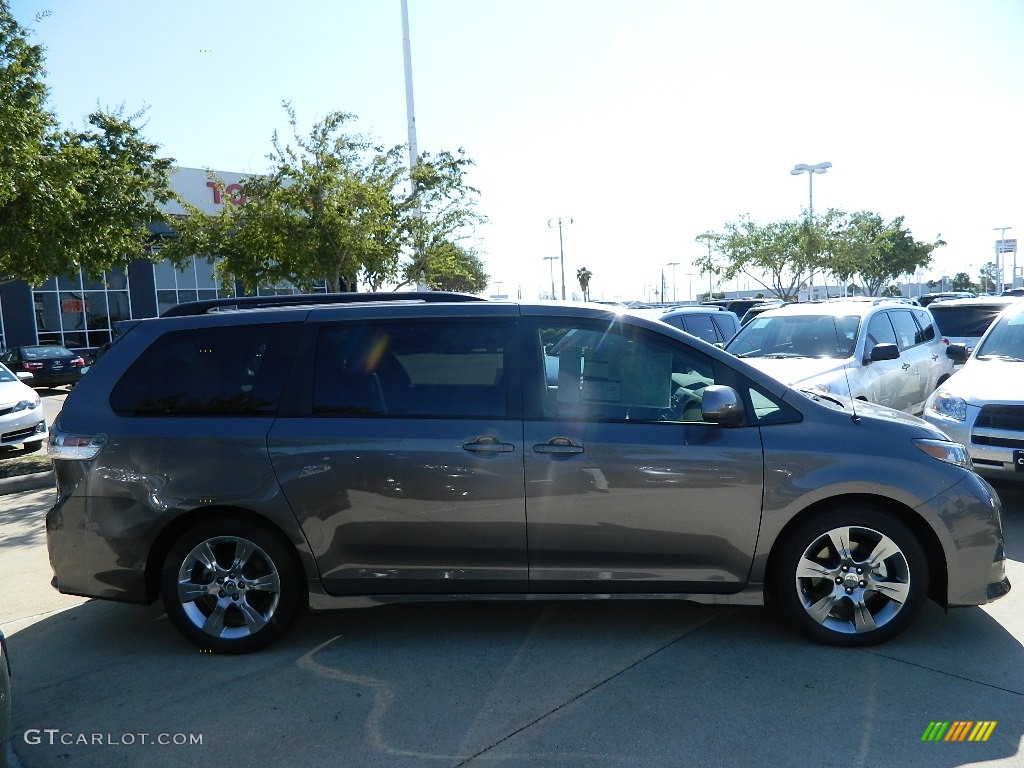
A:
{"x":81,"y":319}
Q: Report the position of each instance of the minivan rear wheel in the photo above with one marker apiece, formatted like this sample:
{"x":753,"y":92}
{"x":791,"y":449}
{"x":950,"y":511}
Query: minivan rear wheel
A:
{"x":230,"y":586}
{"x":853,"y":576}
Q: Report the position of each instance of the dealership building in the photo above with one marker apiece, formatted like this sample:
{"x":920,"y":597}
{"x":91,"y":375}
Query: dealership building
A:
{"x":79,"y":313}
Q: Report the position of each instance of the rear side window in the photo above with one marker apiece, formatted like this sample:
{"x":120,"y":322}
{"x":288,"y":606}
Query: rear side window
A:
{"x":222,"y":371}
{"x":701,"y":327}
{"x":906,"y":329}
{"x":927,"y":325}
{"x":451,"y":369}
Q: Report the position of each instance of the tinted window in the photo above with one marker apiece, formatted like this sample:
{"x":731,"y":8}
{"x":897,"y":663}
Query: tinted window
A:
{"x":926,"y":331}
{"x":593,"y":372}
{"x":880,"y":331}
{"x":966,"y":320}
{"x":906,"y":329}
{"x":237,"y":370}
{"x":411,"y":369}
{"x":701,"y":327}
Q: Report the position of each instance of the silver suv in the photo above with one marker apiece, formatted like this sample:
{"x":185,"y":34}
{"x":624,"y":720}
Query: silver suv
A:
{"x":879,"y":350}
{"x":240,"y":465}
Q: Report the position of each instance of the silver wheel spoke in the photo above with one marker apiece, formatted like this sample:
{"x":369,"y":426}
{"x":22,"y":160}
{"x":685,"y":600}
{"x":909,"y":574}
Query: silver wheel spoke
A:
{"x":243,"y":551}
{"x":841,"y":541}
{"x":883,"y":550}
{"x":862,"y":617}
{"x":268,"y":583}
{"x":894,"y":590}
{"x":189,"y":591}
{"x":808,"y":569}
{"x":254,"y":620}
{"x":204,"y":554}
{"x":821,"y":609}
{"x":214,"y":624}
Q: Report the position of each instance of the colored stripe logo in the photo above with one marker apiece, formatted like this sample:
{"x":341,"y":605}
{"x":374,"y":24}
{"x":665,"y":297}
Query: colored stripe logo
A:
{"x":959,"y":730}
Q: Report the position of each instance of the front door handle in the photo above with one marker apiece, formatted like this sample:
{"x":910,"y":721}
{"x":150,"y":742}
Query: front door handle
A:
{"x":488,"y":444}
{"x":559,"y":446}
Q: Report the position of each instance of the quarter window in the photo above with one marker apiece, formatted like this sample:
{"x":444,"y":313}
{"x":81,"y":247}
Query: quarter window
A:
{"x":221,"y":371}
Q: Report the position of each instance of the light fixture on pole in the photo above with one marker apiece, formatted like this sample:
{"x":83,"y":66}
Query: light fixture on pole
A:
{"x":561,"y":221}
{"x":551,"y":270}
{"x":673,"y":264}
{"x":1001,"y":249}
{"x":810,"y":170}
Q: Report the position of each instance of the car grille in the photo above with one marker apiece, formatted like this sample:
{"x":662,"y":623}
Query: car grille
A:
{"x":18,"y":434}
{"x":1006,"y":418}
{"x":5,"y":411}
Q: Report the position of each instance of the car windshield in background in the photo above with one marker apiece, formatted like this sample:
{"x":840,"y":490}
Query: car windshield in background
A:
{"x":1005,"y":341}
{"x":797,"y":336}
{"x":6,"y":375}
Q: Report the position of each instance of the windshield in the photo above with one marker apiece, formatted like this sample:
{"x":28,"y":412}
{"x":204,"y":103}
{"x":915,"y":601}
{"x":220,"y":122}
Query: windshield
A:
{"x":965,"y":320}
{"x":6,"y":375}
{"x":783,"y":336}
{"x":44,"y":353}
{"x":1006,"y":339}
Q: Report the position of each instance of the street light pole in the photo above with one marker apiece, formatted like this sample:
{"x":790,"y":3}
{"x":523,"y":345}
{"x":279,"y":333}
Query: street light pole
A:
{"x":673,"y":264}
{"x":551,"y":270}
{"x":689,"y":293}
{"x":561,"y":221}
{"x":810,"y":170}
{"x":999,"y":266}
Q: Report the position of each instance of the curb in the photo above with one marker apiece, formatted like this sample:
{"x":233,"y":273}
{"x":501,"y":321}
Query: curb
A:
{"x":32,"y":482}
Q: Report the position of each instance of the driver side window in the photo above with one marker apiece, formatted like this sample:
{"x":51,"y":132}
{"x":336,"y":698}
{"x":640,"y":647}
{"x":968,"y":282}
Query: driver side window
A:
{"x":620,"y":374}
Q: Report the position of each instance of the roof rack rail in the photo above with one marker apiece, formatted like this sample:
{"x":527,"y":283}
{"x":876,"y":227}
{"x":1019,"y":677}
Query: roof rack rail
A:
{"x":229,"y":304}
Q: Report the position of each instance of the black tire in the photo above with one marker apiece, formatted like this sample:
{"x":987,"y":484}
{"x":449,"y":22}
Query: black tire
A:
{"x":231,"y":586}
{"x":820,"y":589}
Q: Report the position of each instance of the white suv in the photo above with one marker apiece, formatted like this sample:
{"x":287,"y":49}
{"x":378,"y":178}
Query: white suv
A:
{"x":881,"y":350}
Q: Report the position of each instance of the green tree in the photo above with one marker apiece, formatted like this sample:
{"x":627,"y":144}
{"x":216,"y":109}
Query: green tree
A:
{"x":961,"y":282}
{"x":863,"y":244}
{"x":583,"y":276}
{"x":988,"y":277}
{"x":336,"y":206}
{"x":69,"y":199}
{"x":774,"y":254}
{"x":448,"y":266}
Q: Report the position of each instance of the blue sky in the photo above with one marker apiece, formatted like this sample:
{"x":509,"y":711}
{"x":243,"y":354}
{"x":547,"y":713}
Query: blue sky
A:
{"x":647,"y":122}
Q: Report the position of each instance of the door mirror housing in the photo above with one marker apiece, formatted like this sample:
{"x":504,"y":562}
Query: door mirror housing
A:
{"x":721,"y":405}
{"x":884,"y":351}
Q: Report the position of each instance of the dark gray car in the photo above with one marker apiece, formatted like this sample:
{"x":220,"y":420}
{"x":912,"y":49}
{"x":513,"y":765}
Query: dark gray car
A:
{"x":242,"y":465}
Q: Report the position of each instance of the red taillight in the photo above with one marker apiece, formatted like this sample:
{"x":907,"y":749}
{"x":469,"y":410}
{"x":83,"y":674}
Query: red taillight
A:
{"x":32,"y":366}
{"x":77,"y":362}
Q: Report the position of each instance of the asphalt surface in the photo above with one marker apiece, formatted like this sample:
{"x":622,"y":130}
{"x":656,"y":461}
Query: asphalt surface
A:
{"x":100,"y":684}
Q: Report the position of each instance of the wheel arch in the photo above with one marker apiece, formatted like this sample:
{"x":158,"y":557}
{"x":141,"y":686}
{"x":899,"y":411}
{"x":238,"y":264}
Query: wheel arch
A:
{"x":937,"y":569}
{"x":173,"y":530}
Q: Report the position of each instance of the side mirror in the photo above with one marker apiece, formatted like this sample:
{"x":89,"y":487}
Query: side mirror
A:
{"x":721,"y":405}
{"x":884,"y":352}
{"x":957,"y":353}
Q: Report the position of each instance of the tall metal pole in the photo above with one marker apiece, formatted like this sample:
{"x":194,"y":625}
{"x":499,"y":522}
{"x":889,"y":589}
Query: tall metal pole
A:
{"x":999,"y":266}
{"x":810,"y":170}
{"x":560,"y":222}
{"x":551,"y":271}
{"x":673,"y":264}
{"x":411,"y":115}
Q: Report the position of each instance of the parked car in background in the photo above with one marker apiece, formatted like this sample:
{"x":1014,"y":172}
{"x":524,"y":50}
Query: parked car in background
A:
{"x":739,"y":306}
{"x":756,"y":310}
{"x":22,"y":421}
{"x":925,"y":299}
{"x":879,"y":350}
{"x":716,"y":325}
{"x":964,"y":321}
{"x":982,"y":405}
{"x":50,"y":364}
{"x":243,"y":464}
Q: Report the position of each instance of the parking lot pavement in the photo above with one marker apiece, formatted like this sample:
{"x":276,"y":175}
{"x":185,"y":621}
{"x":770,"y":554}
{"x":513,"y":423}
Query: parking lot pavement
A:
{"x":501,"y":684}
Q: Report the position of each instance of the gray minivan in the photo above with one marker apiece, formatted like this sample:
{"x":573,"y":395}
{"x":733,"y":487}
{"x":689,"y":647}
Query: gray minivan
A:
{"x":241,"y":465}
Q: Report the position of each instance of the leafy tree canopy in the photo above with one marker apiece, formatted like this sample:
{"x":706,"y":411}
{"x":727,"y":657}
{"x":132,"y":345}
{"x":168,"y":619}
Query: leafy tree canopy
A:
{"x":68,"y":198}
{"x":336,"y":206}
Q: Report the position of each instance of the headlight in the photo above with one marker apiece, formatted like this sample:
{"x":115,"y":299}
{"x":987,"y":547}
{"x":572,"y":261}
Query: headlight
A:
{"x":26,"y":405}
{"x":947,"y":451}
{"x":946,"y":405}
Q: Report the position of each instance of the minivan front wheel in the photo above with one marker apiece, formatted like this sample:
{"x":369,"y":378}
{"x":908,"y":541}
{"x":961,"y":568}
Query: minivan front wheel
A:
{"x":230,"y":586}
{"x":854,"y":576}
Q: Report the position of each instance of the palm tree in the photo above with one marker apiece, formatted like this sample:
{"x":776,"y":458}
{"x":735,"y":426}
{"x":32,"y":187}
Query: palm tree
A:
{"x":583,"y":275}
